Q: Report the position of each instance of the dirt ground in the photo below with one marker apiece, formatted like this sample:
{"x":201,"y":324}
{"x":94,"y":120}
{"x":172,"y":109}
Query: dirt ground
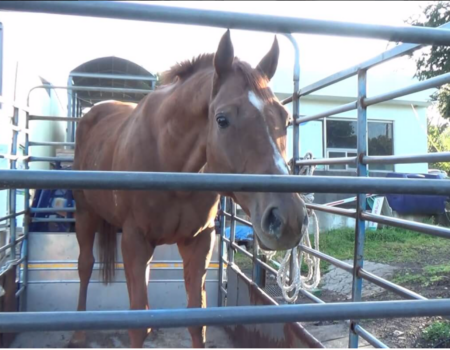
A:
{"x":395,"y":333}
{"x":405,"y":332}
{"x":158,"y":338}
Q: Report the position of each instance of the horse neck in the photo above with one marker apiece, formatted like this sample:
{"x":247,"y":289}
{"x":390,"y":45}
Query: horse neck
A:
{"x":181,"y":124}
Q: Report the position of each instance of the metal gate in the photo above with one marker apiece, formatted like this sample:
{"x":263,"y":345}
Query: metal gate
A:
{"x":245,"y":315}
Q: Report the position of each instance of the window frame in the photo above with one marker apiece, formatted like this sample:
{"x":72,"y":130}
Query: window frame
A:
{"x":350,"y":150}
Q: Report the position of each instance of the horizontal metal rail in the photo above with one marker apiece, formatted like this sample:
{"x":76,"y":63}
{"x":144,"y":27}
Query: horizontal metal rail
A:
{"x":336,"y":262}
{"x":10,"y":245}
{"x":327,"y":161}
{"x":38,"y":220}
{"x":232,"y":20}
{"x":369,"y":337}
{"x":386,"y":56}
{"x":12,"y":215}
{"x":271,"y":270}
{"x":350,"y":213}
{"x":238,"y":219}
{"x":153,"y":262}
{"x":50,"y":159}
{"x":408,"y":159}
{"x":13,"y":104}
{"x":404,"y":292}
{"x":89,"y":88}
{"x":9,"y":156}
{"x":10,"y":264}
{"x":54,"y":119}
{"x":423,"y":85}
{"x":347,"y":200}
{"x":52,"y":210}
{"x":17,"y":128}
{"x":51,"y":233}
{"x":47,"y":179}
{"x":115,"y":281}
{"x":388,"y":285}
{"x":432,"y":230}
{"x":39,"y":143}
{"x":328,"y":113}
{"x":218,"y":316}
{"x":111,"y":76}
{"x":20,"y":291}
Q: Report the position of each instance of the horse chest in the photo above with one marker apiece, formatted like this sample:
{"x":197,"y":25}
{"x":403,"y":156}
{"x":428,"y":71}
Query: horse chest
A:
{"x":169,"y":217}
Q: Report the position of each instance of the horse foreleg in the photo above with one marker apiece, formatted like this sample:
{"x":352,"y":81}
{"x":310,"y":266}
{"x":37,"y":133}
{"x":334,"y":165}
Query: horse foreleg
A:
{"x":196,"y":253}
{"x":137,"y":253}
{"x":86,"y":225}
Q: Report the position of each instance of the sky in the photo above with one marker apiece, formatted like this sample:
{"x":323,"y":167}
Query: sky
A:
{"x":52,"y":45}
{"x":138,"y":38}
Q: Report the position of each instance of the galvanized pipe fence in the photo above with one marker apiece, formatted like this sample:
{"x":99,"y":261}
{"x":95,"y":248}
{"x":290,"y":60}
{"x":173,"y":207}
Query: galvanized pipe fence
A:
{"x":413,"y":37}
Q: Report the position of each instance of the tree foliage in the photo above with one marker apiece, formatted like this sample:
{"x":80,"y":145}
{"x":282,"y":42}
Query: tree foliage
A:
{"x":435,"y":60}
{"x":439,"y":141}
{"x":431,"y":62}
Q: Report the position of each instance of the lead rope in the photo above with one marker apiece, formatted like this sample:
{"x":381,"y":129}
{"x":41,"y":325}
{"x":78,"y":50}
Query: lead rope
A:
{"x":312,"y":278}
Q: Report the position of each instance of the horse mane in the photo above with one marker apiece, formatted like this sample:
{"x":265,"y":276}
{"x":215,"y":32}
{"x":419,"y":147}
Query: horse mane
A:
{"x":257,"y":82}
{"x":185,"y":69}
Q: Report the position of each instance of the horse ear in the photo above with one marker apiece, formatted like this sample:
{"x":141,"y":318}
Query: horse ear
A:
{"x":269,"y":63}
{"x":223,"y":59}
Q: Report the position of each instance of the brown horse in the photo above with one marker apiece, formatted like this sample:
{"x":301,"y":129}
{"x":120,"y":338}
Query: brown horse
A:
{"x":215,"y":114}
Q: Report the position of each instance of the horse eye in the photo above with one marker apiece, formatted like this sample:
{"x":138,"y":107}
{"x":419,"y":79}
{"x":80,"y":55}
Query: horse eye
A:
{"x":222,"y":121}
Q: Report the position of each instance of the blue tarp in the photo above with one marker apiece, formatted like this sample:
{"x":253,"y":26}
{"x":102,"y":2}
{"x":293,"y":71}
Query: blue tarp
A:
{"x":417,"y":204}
{"x":243,"y":233}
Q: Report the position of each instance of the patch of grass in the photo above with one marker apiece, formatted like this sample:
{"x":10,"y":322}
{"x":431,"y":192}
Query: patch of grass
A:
{"x":429,"y":274}
{"x":437,"y":334}
{"x":388,"y":245}
{"x":244,"y":262}
{"x":410,"y":278}
{"x":437,"y":269}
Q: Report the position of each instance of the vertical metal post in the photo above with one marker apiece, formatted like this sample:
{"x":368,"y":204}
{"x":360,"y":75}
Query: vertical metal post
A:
{"x":296,"y":131}
{"x":74,"y":109}
{"x":295,"y":106}
{"x":361,"y":200}
{"x":259,"y":274}
{"x":69,"y":112}
{"x":26,"y":221}
{"x":1,"y":62}
{"x":232,"y":233}
{"x":223,"y":221}
{"x":12,"y":192}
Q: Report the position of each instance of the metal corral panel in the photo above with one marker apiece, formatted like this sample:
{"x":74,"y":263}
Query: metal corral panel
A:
{"x":243,"y":292}
{"x":54,"y":283}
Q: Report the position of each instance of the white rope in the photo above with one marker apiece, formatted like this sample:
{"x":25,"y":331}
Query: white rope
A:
{"x":312,"y":278}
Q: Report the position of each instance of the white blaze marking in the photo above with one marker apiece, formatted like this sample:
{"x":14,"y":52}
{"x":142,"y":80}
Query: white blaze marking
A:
{"x":279,"y":160}
{"x":255,"y":101}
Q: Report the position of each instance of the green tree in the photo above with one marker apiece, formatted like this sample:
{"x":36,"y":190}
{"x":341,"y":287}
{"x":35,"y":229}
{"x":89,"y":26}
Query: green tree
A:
{"x":431,"y":62}
{"x":434,"y":60}
{"x":439,"y":141}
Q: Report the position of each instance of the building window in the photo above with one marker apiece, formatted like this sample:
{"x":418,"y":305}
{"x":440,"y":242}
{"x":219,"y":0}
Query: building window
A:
{"x":341,"y":142}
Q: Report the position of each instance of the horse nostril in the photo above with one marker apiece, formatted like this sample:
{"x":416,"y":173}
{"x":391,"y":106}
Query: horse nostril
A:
{"x":273,"y":222}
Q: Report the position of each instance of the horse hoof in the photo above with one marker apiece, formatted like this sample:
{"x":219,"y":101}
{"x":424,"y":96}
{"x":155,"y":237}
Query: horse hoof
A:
{"x":78,"y":341}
